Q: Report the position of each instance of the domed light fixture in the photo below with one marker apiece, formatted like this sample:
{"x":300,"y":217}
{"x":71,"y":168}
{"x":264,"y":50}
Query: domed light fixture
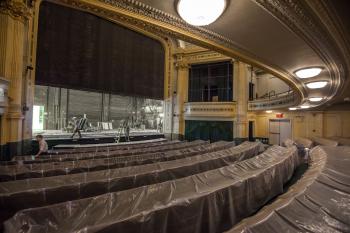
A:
{"x":304,"y":106}
{"x":316,"y":85}
{"x":315,"y":99}
{"x":200,"y":12}
{"x":308,"y":72}
{"x":292,"y":109}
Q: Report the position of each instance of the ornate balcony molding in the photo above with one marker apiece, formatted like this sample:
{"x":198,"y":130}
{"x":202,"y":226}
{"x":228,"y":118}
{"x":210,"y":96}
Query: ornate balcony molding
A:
{"x":311,"y":21}
{"x":214,"y":110}
{"x":280,"y":101}
{"x":197,"y":57}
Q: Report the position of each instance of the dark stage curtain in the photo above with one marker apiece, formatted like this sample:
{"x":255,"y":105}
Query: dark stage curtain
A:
{"x":79,"y":50}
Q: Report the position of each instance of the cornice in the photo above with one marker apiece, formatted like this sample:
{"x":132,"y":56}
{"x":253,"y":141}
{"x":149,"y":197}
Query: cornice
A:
{"x":15,"y":8}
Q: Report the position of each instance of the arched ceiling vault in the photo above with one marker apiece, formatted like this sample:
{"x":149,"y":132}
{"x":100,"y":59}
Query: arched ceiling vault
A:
{"x":279,"y":36}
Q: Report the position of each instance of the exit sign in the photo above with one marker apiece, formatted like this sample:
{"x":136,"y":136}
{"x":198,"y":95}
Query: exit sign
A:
{"x":279,"y":115}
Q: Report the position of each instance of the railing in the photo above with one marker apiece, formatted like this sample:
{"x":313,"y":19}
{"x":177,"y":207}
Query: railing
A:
{"x":274,"y":101}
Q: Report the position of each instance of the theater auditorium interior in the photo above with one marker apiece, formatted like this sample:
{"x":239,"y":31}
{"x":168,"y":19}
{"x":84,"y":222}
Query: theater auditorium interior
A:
{"x":174,"y":116}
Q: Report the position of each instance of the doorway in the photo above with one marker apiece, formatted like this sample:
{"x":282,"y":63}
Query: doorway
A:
{"x":251,"y":91}
{"x":251,"y":131}
{"x":279,"y":131}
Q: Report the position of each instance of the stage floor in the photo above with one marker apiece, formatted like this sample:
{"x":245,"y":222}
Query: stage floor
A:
{"x":57,"y":137}
{"x":58,"y":134}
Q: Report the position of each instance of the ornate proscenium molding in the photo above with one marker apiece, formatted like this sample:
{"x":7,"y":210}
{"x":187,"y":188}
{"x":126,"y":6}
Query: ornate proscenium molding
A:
{"x":160,"y":23}
{"x":15,"y":8}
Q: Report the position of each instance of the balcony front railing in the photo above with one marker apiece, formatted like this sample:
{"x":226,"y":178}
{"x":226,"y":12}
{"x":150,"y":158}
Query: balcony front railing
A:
{"x":273,"y":101}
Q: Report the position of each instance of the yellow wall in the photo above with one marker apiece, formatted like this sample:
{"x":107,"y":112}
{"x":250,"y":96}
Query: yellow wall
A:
{"x":306,"y":124}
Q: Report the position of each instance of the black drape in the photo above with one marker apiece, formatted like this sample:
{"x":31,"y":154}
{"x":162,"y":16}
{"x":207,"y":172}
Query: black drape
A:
{"x":79,"y":50}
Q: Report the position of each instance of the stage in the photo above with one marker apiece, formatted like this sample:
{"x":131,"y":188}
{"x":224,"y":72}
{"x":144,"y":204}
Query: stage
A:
{"x":57,"y":137}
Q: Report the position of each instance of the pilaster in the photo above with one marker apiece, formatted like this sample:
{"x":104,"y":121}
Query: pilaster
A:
{"x":240,"y":87}
{"x":14,"y":15}
{"x":181,"y":96}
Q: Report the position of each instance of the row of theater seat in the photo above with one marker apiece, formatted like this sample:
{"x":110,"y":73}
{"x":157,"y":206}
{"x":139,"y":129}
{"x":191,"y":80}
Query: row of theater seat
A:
{"x":195,"y":187}
{"x":39,"y":192}
{"x":90,"y":149}
{"x":17,"y":172}
{"x":205,"y":193}
{"x":318,"y":202}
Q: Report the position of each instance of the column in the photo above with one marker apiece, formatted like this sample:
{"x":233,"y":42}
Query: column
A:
{"x":13,"y":17}
{"x":240,"y":87}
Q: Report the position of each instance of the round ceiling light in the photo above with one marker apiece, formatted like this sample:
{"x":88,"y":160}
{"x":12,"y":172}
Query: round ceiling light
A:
{"x":316,"y":85}
{"x":292,"y":109}
{"x":315,"y":99}
{"x":308,"y":72}
{"x":304,"y":106}
{"x":200,"y":12}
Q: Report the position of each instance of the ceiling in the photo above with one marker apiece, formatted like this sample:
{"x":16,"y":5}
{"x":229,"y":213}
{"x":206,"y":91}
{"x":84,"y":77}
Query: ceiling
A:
{"x":289,"y":35}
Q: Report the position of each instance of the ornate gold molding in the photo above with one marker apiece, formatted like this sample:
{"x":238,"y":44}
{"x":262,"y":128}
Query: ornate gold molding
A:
{"x":310,"y":20}
{"x":15,"y":8}
{"x":210,"y":110}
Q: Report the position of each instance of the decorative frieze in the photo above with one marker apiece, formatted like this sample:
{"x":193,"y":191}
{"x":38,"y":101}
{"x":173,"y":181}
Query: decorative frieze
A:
{"x":216,"y":110}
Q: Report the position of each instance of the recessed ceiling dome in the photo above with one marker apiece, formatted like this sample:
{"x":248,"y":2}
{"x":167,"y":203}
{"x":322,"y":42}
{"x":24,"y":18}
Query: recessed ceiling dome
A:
{"x":315,"y":99}
{"x":308,"y":72}
{"x":200,"y":12}
{"x":316,"y":85}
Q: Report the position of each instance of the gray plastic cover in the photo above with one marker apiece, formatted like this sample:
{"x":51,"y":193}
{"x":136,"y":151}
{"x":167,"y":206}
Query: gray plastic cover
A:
{"x":324,"y":141}
{"x":108,"y":154}
{"x":93,"y":149}
{"x":207,"y":202}
{"x":318,"y":202}
{"x":22,"y":194}
{"x":71,"y":167}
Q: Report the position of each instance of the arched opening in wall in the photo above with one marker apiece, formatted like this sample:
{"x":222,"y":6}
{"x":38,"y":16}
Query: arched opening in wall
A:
{"x":90,"y":66}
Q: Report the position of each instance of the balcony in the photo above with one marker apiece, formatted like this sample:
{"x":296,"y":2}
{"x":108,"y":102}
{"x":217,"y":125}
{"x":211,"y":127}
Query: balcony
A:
{"x":274,"y":101}
{"x":216,"y":110}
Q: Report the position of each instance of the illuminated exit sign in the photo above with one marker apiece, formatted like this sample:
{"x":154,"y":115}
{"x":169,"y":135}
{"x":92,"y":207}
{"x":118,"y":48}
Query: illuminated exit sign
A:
{"x":279,"y":115}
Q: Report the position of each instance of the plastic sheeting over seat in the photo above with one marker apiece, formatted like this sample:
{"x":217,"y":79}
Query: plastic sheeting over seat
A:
{"x":20,"y":172}
{"x":109,"y":154}
{"x":31,"y":193}
{"x":207,"y":202}
{"x":324,"y":141}
{"x":318,"y":202}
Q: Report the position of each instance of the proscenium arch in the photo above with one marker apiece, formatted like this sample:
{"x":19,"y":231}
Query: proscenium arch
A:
{"x":165,"y":42}
{"x":154,"y":28}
